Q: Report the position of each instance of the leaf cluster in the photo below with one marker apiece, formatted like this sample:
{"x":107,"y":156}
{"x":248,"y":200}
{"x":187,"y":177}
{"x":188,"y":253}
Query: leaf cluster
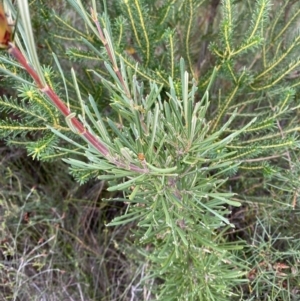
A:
{"x":188,"y":140}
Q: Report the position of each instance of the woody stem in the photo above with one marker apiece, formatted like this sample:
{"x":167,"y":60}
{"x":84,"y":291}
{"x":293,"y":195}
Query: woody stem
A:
{"x":60,"y":105}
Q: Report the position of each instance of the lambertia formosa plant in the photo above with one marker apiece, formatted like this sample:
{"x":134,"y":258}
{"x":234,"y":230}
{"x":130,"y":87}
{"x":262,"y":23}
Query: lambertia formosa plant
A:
{"x":191,"y":126}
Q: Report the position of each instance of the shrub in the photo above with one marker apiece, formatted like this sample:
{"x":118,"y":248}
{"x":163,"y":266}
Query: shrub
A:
{"x":189,"y":109}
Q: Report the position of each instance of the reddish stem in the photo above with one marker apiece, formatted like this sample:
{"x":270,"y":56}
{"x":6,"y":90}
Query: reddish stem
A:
{"x":60,"y":105}
{"x":18,"y":55}
{"x":109,"y":52}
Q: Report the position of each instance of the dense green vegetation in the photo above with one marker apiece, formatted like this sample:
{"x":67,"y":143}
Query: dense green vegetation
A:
{"x":150,"y":151}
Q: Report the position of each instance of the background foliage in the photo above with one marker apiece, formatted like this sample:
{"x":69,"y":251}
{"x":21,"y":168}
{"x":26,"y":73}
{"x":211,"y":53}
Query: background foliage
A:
{"x":200,"y":186}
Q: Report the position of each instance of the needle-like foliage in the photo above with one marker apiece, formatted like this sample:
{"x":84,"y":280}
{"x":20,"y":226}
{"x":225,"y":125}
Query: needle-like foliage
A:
{"x":187,"y":109}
